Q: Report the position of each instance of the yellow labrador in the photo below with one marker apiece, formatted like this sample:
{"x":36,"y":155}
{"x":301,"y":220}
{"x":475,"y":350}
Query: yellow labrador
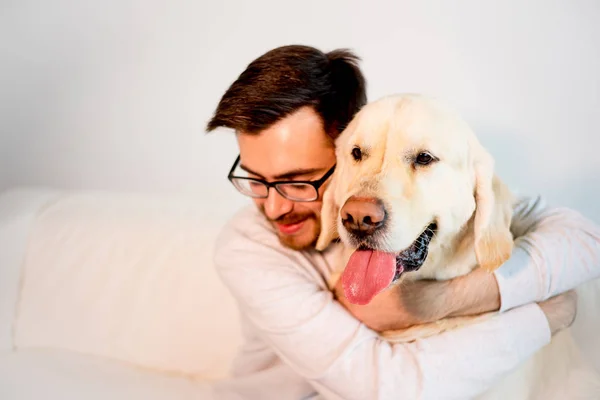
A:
{"x":415,"y":196}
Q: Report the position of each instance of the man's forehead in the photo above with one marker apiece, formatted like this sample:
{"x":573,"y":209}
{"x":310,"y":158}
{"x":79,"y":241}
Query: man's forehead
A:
{"x":279,"y":161}
{"x":303,"y":124}
{"x":295,"y":146}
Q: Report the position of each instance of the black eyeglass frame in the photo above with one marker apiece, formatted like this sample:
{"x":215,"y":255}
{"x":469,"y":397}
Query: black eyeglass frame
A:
{"x":315,"y":184}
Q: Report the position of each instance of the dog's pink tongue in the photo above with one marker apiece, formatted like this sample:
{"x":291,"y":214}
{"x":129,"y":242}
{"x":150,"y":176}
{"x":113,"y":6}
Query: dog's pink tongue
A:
{"x":367,"y":273}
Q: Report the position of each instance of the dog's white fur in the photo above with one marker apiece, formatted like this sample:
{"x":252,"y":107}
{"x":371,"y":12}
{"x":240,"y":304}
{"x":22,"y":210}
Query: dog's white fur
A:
{"x":471,"y":206}
{"x":459,"y":191}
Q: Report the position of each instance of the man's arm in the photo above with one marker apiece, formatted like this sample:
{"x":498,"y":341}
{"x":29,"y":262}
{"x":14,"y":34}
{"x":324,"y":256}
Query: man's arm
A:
{"x":556,"y":249}
{"x":296,"y":315}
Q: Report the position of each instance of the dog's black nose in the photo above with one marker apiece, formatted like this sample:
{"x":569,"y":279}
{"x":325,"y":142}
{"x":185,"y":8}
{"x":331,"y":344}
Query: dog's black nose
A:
{"x":363,"y":216}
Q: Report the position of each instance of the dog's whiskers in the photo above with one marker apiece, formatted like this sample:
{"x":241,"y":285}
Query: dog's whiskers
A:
{"x":385,"y":241}
{"x":433,"y":232}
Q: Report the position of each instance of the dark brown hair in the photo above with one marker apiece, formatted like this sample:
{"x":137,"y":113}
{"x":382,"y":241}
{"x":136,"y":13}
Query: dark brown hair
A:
{"x":288,"y":78}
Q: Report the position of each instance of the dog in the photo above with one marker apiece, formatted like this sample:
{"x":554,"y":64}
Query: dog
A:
{"x":415,"y":196}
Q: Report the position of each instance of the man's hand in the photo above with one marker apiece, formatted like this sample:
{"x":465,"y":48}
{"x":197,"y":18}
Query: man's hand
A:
{"x":386,"y":311}
{"x":560,"y":310}
{"x":412,"y":303}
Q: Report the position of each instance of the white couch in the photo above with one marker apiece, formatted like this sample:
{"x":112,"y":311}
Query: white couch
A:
{"x":114,"y":296}
{"x":110,"y":296}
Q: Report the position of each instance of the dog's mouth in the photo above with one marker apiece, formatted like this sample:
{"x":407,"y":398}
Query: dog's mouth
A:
{"x":412,"y":258}
{"x":370,"y":271}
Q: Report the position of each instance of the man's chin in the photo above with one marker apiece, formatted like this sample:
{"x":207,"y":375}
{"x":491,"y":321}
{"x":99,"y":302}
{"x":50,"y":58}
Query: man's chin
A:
{"x":296,"y":243}
{"x":304,"y":239}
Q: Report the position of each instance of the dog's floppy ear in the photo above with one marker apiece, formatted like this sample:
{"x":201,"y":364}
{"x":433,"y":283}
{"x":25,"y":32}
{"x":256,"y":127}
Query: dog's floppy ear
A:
{"x":493,"y":214}
{"x":329,"y":213}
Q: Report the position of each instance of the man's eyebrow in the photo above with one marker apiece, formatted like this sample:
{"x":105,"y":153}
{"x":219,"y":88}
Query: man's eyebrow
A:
{"x":248,"y":170}
{"x":288,"y":175}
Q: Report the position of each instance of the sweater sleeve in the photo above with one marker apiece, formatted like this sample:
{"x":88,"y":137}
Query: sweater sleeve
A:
{"x":343,"y":359}
{"x":556,"y":249}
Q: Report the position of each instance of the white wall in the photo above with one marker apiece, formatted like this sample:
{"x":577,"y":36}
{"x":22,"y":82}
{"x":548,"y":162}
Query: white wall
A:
{"x":115,"y":94}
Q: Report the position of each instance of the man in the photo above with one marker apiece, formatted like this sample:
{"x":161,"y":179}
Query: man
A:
{"x":286,"y":108}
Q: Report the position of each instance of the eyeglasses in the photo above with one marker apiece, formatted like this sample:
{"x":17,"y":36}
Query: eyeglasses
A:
{"x":291,"y":190}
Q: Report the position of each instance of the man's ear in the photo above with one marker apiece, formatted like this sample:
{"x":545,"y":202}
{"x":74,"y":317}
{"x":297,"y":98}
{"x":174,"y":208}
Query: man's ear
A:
{"x":493,"y":214}
{"x":329,"y":213}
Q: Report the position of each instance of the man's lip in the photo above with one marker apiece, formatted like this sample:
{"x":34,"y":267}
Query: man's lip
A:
{"x":289,"y":229}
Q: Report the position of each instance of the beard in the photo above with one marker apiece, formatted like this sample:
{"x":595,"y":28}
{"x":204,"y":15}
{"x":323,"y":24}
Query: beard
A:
{"x":308,"y":235}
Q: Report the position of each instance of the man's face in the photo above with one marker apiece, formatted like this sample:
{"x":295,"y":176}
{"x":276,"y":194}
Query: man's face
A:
{"x":295,"y":148}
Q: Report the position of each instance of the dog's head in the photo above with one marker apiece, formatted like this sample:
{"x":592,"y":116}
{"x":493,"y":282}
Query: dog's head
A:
{"x":411,"y":177}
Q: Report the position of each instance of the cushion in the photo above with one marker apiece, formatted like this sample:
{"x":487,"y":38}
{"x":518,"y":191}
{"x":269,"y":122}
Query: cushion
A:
{"x":18,"y":209}
{"x":51,"y":374}
{"x":128,"y":277}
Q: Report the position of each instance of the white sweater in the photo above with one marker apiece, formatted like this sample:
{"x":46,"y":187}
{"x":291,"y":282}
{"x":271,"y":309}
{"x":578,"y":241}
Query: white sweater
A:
{"x":300,"y":343}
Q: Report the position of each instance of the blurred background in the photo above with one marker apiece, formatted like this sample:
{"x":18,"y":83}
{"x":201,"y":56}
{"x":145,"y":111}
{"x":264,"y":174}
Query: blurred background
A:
{"x":114,"y":95}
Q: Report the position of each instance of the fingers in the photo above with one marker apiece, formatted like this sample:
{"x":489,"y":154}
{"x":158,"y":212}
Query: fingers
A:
{"x":560,"y":310}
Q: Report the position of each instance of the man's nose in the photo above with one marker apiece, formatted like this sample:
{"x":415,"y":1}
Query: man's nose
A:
{"x":276,"y":205}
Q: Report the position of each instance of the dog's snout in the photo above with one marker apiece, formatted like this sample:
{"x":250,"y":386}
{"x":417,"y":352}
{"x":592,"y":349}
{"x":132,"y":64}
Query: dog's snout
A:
{"x":362,"y":216}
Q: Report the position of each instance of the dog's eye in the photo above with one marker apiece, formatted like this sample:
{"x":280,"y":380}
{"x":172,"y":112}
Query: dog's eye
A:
{"x":424,"y":159}
{"x":357,"y":154}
